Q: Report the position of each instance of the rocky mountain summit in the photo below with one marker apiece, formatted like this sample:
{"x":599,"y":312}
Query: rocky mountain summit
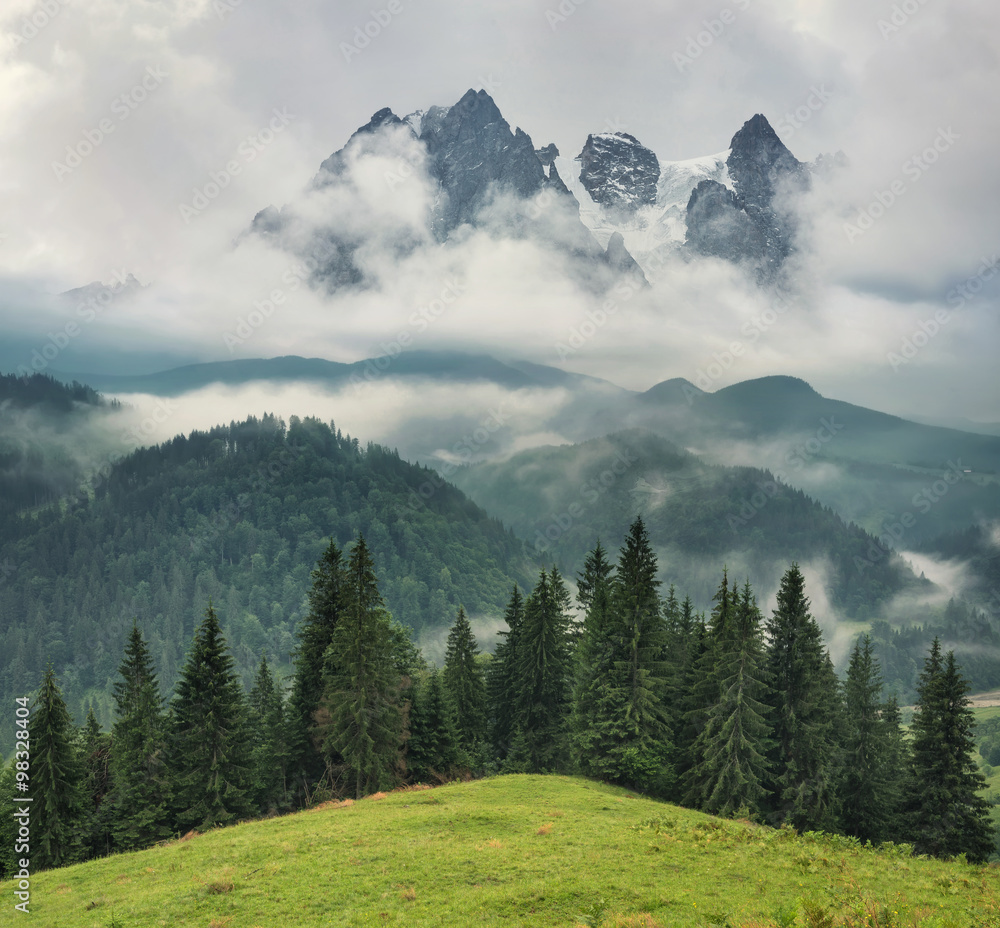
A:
{"x":616,"y":207}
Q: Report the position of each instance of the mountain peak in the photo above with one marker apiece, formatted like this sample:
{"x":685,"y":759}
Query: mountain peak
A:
{"x":758,"y":160}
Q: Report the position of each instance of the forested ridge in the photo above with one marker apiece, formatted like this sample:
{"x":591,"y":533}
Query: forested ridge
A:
{"x":733,"y":714}
{"x":238,"y":515}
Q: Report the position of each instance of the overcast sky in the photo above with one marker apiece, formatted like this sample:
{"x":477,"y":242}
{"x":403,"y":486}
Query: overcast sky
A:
{"x":167,"y":93}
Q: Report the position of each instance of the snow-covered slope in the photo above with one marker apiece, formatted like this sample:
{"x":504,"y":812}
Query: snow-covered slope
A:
{"x":648,"y":229}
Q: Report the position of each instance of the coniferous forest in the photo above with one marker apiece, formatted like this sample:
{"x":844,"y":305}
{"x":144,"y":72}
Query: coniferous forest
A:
{"x":735,"y":713}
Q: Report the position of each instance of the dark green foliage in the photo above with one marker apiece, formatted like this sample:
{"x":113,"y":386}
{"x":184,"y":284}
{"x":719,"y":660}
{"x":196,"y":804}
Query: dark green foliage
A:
{"x":239,"y":514}
{"x":327,"y":601}
{"x":595,"y":725}
{"x":362,"y":691}
{"x":140,"y":795}
{"x":268,"y":743}
{"x":463,"y":677}
{"x":95,"y":751}
{"x":872,"y":747}
{"x":8,"y":824}
{"x":805,"y":707}
{"x":58,"y":807}
{"x":501,"y":680}
{"x":947,"y":816}
{"x":730,"y":755}
{"x":434,"y":750}
{"x":209,"y":749}
{"x":542,"y":675}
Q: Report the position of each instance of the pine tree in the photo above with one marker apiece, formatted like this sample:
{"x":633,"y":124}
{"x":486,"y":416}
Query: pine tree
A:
{"x":733,"y":746}
{"x":805,"y":704}
{"x":595,"y":725}
{"x":139,"y":800}
{"x":867,"y":787}
{"x":365,"y":730}
{"x":947,"y":814}
{"x":434,"y":750}
{"x":95,"y":751}
{"x":501,"y":679}
{"x":209,"y":740}
{"x":327,"y":598}
{"x":463,"y":677}
{"x":642,"y":758}
{"x":58,"y":809}
{"x":269,"y":750}
{"x":898,"y":764}
{"x":542,"y":678}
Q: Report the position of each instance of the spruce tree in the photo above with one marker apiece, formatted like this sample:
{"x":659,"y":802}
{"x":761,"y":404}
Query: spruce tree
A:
{"x":947,"y":814}
{"x":327,"y":599}
{"x":434,"y":749}
{"x":542,"y":679}
{"x":58,"y":806}
{"x":867,"y":788}
{"x":463,"y":677}
{"x":501,"y":679}
{"x":804,"y":706}
{"x":140,"y":795}
{"x":210,"y":758}
{"x":898,"y":764}
{"x":595,"y":724}
{"x":733,"y":746}
{"x":95,"y":749}
{"x":269,"y":749}
{"x":365,"y":730}
{"x":642,"y":758}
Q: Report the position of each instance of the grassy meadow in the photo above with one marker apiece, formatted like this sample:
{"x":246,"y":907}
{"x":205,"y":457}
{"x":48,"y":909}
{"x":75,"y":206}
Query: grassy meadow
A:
{"x":512,"y":851}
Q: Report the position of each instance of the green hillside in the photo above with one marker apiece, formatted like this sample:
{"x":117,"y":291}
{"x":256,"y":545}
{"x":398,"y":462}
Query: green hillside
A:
{"x":513,"y":851}
{"x":561,"y":498}
{"x":239,"y":515}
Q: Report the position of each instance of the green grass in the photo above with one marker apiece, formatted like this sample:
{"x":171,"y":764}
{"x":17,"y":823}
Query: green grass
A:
{"x":512,"y":851}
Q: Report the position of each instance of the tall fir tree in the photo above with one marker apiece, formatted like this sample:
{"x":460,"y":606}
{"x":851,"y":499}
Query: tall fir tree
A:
{"x":364,"y":736}
{"x":595,"y":724}
{"x":434,"y":750}
{"x":327,"y":598}
{"x":58,"y":807}
{"x":209,"y":749}
{"x":466,"y":683}
{"x":804,"y":713}
{"x":868,"y":794}
{"x":268,"y":740}
{"x":95,"y":750}
{"x":542,"y":678}
{"x":947,"y":814}
{"x":734,"y":744}
{"x":643,"y":757}
{"x":140,"y":795}
{"x":501,"y":679}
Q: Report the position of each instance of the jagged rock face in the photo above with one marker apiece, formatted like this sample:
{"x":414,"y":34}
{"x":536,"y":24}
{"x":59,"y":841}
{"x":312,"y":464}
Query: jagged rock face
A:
{"x":719,"y":225}
{"x":759,"y":162}
{"x":618,"y":171}
{"x":473,"y":152}
{"x":621,"y":261}
{"x":749,"y":225}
